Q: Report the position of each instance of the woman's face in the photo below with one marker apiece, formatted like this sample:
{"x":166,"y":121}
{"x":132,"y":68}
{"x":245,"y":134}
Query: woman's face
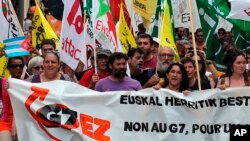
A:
{"x":37,"y":69}
{"x":239,"y":65}
{"x":174,"y":76}
{"x":51,"y":64}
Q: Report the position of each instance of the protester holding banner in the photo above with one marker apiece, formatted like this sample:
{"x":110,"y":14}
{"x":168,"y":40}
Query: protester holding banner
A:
{"x":15,"y":66}
{"x":236,"y":75}
{"x":118,"y":79}
{"x":177,"y":78}
{"x":51,"y":66}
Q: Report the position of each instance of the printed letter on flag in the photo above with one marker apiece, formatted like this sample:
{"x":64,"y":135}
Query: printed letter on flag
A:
{"x":41,"y":29}
{"x":240,"y":9}
{"x":104,"y":26}
{"x":72,"y":35}
{"x":125,"y":35}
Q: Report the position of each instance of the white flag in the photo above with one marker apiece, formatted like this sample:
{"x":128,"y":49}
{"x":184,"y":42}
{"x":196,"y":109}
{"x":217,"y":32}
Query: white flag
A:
{"x":240,"y":9}
{"x":71,"y":40}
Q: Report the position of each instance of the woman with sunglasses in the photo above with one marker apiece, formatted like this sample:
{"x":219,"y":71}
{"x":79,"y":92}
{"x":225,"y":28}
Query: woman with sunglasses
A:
{"x":35,"y":65}
{"x":7,"y":132}
{"x":51,"y":70}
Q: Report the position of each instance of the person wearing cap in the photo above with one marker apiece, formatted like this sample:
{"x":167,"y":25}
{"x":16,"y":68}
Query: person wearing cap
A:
{"x":155,"y":46}
{"x":91,"y":77}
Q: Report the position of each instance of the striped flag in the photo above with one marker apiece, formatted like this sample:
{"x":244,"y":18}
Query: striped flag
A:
{"x":15,"y":47}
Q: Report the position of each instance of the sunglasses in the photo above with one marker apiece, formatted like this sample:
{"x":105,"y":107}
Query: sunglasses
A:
{"x":38,"y":68}
{"x":48,"y":49}
{"x":17,"y":66}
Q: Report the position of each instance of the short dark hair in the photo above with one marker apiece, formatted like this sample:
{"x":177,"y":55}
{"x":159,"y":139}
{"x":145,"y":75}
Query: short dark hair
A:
{"x":48,"y":42}
{"x":115,"y":56}
{"x":132,"y":52}
{"x":187,"y":60}
{"x":146,"y":36}
{"x":198,"y":30}
{"x":13,"y":58}
{"x":222,"y":30}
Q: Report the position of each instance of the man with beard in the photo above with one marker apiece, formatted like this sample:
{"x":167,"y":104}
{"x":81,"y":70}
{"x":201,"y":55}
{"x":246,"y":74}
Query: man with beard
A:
{"x":199,"y":40}
{"x":145,"y":42}
{"x":148,"y":77}
{"x":118,"y":79}
{"x":91,"y":77}
{"x":135,"y":62}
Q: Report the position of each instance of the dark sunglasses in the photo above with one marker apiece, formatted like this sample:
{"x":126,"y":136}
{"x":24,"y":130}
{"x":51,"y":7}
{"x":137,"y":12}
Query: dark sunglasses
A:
{"x":48,"y":49}
{"x":38,"y":68}
{"x":17,"y":66}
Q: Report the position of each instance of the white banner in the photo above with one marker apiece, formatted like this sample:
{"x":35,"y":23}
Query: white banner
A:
{"x":240,"y":9}
{"x":71,"y":39}
{"x":66,"y":111}
{"x":10,"y":26}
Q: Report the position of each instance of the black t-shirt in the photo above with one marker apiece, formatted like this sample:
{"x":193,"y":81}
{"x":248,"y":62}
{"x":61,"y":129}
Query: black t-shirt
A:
{"x":205,"y":84}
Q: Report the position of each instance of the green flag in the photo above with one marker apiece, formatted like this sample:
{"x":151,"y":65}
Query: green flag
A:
{"x":209,"y":22}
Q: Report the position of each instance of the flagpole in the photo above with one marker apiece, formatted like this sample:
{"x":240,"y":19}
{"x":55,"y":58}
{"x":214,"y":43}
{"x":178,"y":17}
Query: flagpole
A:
{"x":94,"y":47}
{"x":194,"y":44}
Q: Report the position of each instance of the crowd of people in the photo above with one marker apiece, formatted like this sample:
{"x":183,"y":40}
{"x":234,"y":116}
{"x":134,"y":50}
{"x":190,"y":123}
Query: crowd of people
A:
{"x":147,"y":66}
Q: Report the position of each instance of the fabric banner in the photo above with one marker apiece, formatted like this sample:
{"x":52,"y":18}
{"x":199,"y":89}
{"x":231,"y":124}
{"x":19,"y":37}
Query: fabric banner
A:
{"x":41,"y":29}
{"x":72,"y":35}
{"x":145,"y":8}
{"x":240,"y":9}
{"x":104,"y":26}
{"x":166,"y":38}
{"x":13,"y":47}
{"x":126,"y":37}
{"x":66,"y":111}
{"x":10,"y":28}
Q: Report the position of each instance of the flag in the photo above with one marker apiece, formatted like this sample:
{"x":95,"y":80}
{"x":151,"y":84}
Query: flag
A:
{"x":15,"y":47}
{"x":41,"y":29}
{"x":240,"y":9}
{"x":125,"y":35}
{"x":10,"y":28}
{"x":71,"y":39}
{"x":88,"y":45}
{"x":145,"y":8}
{"x":166,"y":38}
{"x":157,"y":19}
{"x":104,"y":26}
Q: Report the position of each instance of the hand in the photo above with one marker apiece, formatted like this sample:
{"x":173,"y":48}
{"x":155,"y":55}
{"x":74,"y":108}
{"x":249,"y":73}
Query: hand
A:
{"x":6,"y":85}
{"x":186,"y":92}
{"x":152,"y":81}
{"x":157,"y":87}
{"x":94,"y":80}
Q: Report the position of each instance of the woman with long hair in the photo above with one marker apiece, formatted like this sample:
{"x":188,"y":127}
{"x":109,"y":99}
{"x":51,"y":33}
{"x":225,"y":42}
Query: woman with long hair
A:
{"x":177,"y":78}
{"x":236,"y":75}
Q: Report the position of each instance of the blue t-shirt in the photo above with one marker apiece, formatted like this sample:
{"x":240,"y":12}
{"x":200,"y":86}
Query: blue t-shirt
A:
{"x":128,"y":84}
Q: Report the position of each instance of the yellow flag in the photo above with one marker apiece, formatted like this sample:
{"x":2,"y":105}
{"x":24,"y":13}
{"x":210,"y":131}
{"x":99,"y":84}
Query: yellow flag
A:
{"x":41,"y":29}
{"x":124,"y":33}
{"x":4,"y":72}
{"x":145,"y":8}
{"x":167,"y":38}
